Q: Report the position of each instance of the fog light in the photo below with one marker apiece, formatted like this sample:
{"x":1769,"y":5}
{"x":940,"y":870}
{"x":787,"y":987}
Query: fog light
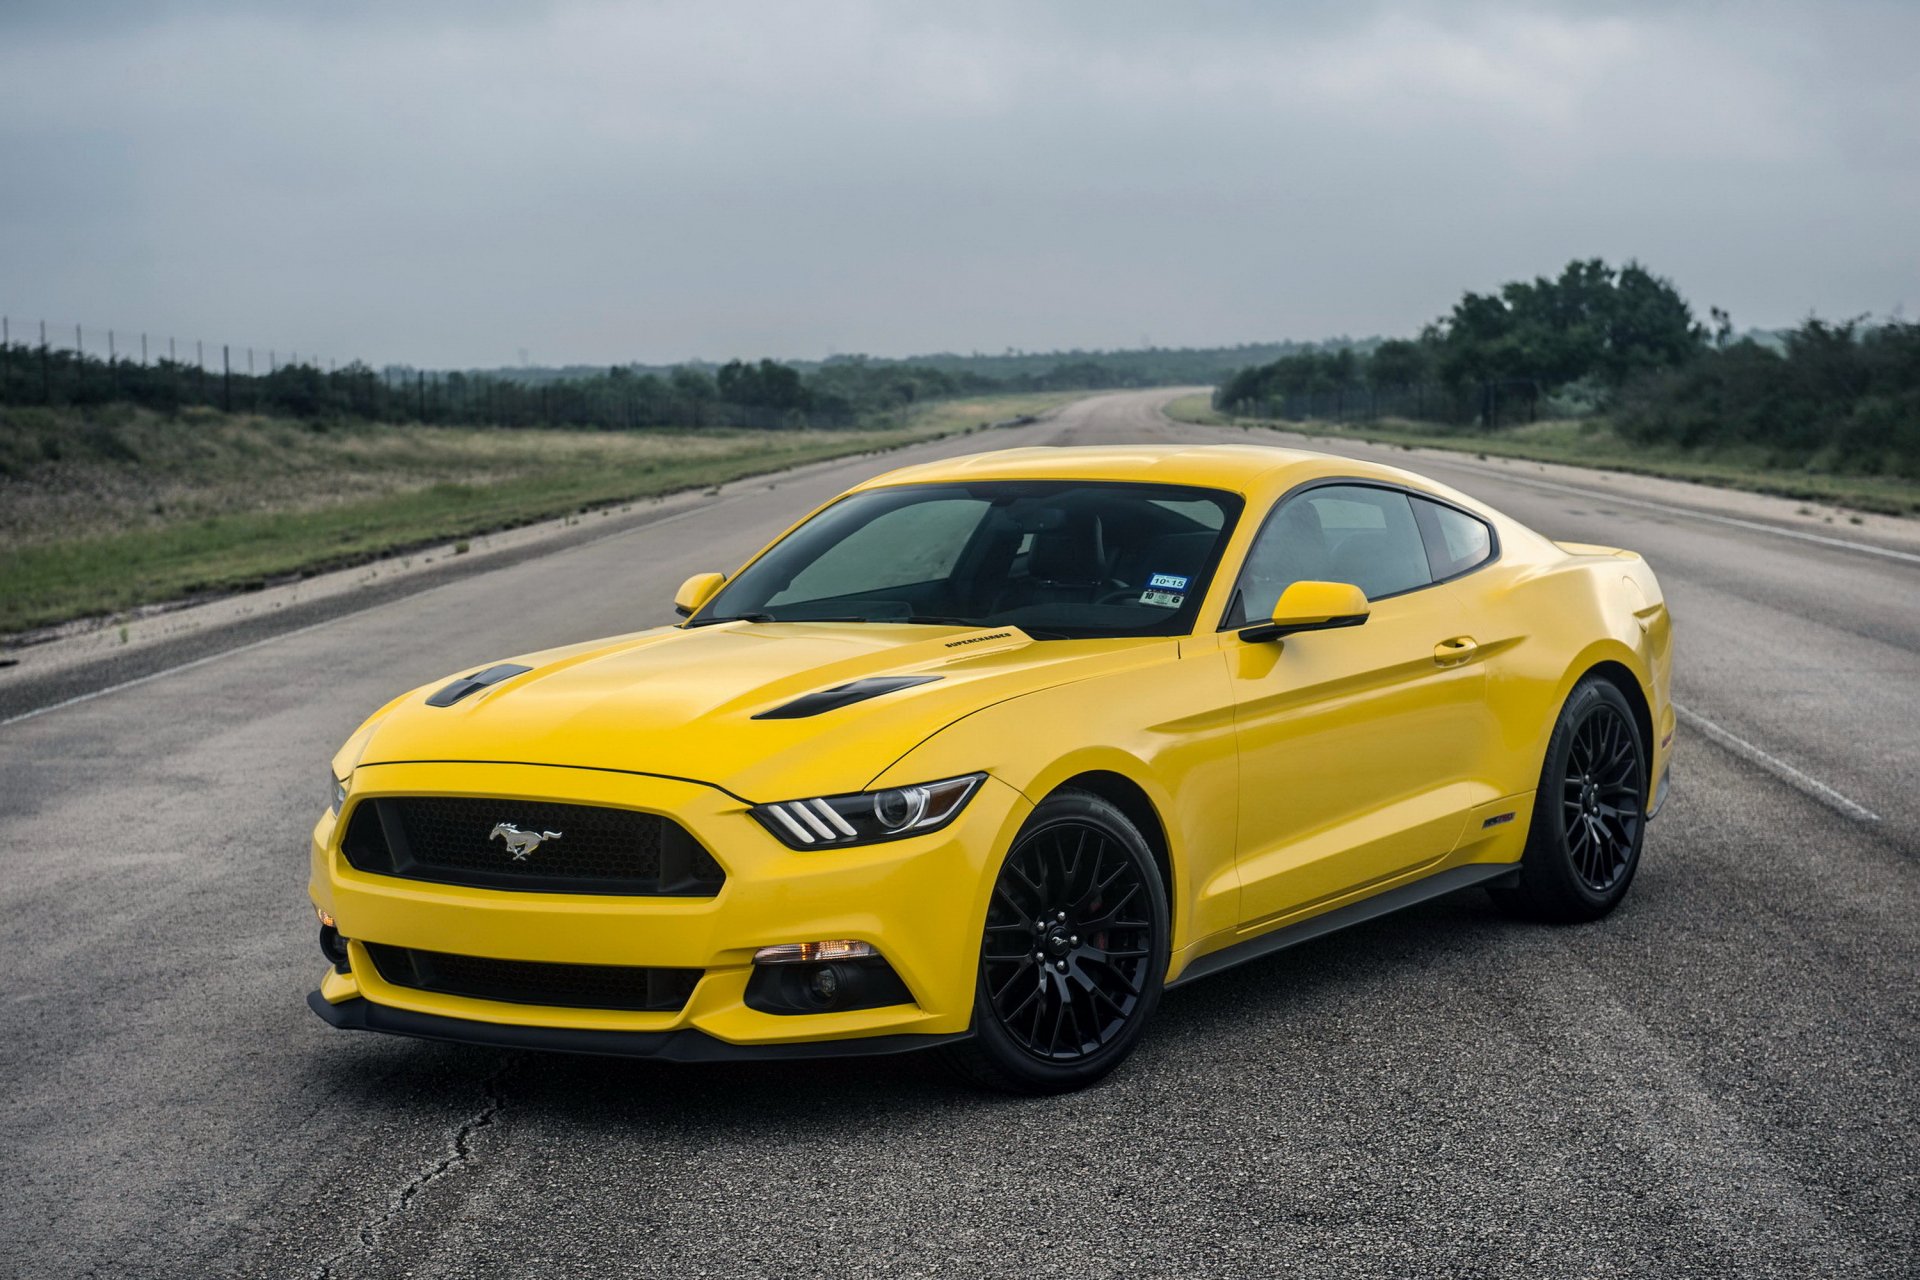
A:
{"x":334,"y":948}
{"x":814,"y":952}
{"x":823,"y":977}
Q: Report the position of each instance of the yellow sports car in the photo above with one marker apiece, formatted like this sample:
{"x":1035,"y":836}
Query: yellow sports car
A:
{"x":984,"y":754}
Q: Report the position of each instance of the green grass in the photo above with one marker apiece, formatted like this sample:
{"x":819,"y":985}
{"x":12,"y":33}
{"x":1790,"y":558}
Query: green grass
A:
{"x":110,"y":510}
{"x":1591,"y":442}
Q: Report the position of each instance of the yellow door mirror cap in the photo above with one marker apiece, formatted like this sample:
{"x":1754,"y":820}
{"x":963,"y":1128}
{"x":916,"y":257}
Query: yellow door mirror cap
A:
{"x":1311,"y":606}
{"x":696,"y":591}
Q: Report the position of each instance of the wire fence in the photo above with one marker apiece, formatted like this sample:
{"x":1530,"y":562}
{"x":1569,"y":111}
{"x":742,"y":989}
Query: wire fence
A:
{"x":1494,"y":403}
{"x":105,"y":366}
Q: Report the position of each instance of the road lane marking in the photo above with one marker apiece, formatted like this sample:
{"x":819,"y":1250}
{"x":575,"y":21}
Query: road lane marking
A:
{"x":1773,"y":764}
{"x":804,"y":471}
{"x":406,"y":598}
{"x":91,"y":694}
{"x":1845,"y":544}
{"x":1445,"y":459}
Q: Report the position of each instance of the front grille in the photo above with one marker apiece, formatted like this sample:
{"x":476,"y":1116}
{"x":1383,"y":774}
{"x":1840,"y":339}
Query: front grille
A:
{"x":572,"y":986}
{"x":582,"y":848}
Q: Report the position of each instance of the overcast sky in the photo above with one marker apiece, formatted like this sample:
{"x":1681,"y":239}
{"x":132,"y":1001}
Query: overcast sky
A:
{"x":451,"y":183}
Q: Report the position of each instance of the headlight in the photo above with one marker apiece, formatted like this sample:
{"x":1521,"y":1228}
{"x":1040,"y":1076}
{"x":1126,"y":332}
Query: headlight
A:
{"x":337,"y":789}
{"x":867,"y":817}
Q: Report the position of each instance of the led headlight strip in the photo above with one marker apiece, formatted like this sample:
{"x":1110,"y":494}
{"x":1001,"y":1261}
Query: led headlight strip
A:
{"x":867,"y":817}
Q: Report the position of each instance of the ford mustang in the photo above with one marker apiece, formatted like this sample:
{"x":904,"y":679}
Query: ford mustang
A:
{"x":985,"y":754}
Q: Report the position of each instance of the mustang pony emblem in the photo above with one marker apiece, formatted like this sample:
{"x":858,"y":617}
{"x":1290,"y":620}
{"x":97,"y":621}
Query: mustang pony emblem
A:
{"x":520,"y":843}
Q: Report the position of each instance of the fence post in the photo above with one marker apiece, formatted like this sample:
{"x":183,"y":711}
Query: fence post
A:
{"x":46,"y":367}
{"x":226,"y":377}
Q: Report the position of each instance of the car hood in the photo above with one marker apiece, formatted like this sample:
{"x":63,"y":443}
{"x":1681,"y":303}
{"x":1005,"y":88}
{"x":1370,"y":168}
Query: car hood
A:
{"x":689,"y":702}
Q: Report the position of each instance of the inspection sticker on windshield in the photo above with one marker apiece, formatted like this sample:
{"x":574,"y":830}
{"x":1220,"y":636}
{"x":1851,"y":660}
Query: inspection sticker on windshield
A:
{"x":1167,"y":582}
{"x":1165,"y":599}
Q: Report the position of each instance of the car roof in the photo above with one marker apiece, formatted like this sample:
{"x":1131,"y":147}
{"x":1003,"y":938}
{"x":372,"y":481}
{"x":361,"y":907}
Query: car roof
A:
{"x":1238,"y":468}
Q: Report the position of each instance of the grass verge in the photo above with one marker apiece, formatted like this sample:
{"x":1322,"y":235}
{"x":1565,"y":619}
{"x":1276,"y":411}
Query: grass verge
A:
{"x":1591,"y":442}
{"x":114,"y":509}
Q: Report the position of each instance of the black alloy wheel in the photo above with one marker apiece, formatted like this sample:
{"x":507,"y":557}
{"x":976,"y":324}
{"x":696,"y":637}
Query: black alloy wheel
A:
{"x":1601,"y":798}
{"x":1073,"y":953}
{"x":1589,"y":815}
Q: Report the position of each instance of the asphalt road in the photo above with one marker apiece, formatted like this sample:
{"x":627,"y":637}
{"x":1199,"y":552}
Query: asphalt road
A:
{"x":1720,"y":1079}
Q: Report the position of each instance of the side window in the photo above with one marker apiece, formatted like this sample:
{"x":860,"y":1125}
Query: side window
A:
{"x":1456,"y":541}
{"x":1334,"y":533}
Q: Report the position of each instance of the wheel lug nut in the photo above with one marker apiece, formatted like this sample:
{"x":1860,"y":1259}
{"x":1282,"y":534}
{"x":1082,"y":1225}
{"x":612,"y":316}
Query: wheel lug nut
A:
{"x":1075,"y":939}
{"x":1062,"y":915}
{"x":1062,"y":966}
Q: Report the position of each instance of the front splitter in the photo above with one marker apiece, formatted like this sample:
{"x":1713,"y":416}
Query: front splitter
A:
{"x":685,"y":1045}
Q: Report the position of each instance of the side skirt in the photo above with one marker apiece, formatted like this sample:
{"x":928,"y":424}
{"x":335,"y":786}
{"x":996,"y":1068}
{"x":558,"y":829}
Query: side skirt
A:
{"x":1380,"y":904}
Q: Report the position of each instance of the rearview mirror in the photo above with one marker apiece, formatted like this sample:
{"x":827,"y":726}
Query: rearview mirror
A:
{"x":1311,"y":606}
{"x":696,"y":591}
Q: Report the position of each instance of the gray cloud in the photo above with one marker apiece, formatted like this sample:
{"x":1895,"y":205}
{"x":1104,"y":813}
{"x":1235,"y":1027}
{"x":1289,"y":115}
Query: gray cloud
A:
{"x":451,"y":183}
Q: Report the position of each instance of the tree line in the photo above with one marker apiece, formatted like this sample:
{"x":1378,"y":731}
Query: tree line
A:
{"x":1624,"y":343}
{"x":837,"y":392}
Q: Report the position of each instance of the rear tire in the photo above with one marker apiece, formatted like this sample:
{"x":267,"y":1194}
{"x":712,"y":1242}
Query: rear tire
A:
{"x":1589,"y":814}
{"x":1073,"y":955}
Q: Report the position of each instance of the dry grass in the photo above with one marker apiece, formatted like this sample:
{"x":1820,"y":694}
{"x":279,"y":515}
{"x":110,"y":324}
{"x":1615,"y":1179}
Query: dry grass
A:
{"x":121,"y":507}
{"x":1591,"y":442}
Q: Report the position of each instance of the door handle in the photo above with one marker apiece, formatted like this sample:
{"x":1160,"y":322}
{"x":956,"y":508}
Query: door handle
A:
{"x":1451,"y":653}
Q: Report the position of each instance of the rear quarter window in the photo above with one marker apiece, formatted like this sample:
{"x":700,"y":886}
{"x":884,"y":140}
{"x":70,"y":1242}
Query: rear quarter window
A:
{"x":1456,"y":542}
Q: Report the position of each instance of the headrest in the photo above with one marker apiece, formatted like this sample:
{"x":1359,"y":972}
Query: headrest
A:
{"x":1072,"y":552}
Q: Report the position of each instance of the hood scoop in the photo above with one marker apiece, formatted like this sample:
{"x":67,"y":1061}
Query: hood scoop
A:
{"x":447,"y":695}
{"x":840,"y":695}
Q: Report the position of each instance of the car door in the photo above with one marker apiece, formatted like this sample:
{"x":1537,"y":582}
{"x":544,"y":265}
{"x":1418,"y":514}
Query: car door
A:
{"x":1355,"y":744}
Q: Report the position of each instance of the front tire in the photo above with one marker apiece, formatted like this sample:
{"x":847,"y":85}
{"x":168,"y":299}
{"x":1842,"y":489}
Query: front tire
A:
{"x":1074,"y":953}
{"x":1589,"y":814}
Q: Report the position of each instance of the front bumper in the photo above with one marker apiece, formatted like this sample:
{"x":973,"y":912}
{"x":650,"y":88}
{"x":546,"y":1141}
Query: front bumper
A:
{"x":920,"y":902}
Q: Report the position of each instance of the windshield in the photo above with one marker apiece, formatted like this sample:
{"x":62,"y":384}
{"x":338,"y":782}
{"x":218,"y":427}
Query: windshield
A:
{"x":1057,"y":559}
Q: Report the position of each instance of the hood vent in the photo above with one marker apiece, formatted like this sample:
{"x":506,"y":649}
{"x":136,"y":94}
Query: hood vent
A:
{"x":841,"y":695}
{"x":450,"y":694}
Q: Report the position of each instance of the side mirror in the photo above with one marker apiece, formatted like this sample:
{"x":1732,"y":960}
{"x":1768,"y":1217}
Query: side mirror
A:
{"x":1311,"y":606}
{"x":696,"y":591}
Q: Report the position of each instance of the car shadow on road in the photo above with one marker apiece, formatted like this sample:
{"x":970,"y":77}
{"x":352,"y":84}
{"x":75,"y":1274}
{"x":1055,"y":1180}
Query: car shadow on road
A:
{"x":1227,"y":1016}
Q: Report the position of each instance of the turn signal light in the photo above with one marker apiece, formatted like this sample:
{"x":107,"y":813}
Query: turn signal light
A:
{"x":814,"y":952}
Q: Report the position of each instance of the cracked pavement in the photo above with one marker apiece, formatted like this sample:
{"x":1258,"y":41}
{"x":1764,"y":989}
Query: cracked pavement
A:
{"x":1719,"y":1080}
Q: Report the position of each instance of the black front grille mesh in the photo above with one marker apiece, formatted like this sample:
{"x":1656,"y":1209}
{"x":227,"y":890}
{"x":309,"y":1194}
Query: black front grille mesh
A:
{"x":581,"y":848}
{"x":571,"y":986}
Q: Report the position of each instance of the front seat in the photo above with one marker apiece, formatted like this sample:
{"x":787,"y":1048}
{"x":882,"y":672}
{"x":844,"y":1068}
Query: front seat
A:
{"x":1065,"y":565}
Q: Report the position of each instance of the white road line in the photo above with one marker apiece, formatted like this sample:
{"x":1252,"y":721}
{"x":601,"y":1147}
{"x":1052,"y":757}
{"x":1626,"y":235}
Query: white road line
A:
{"x":803,"y":471}
{"x":185,"y":666}
{"x":1773,"y":764}
{"x":151,"y":676}
{"x":1762,"y":526}
{"x":1444,"y":458}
